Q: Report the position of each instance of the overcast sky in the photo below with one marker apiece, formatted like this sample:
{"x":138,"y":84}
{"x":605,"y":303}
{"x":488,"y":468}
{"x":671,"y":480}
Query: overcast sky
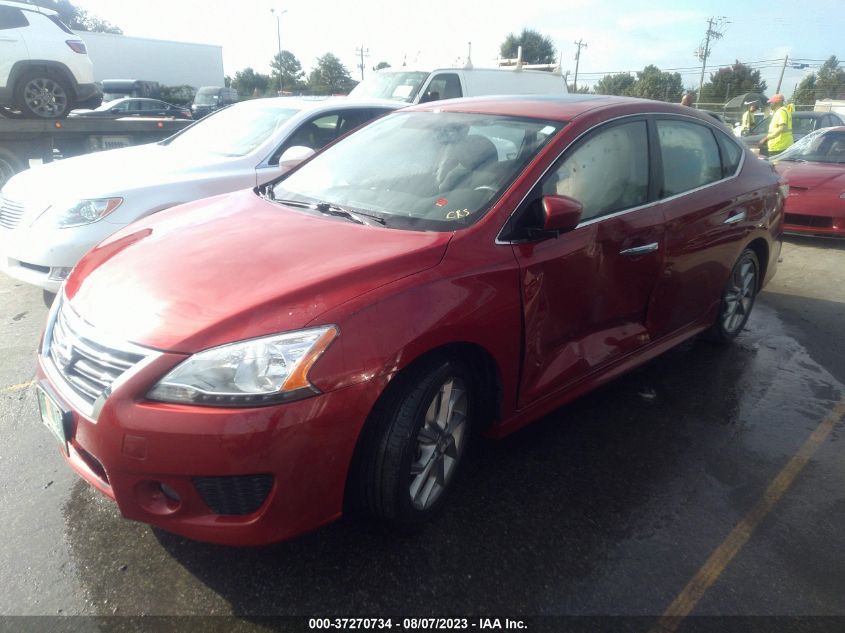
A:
{"x":620,"y":35}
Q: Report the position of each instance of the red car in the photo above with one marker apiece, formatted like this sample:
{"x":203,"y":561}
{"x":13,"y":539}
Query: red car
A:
{"x":242,"y":368}
{"x":814,"y":168}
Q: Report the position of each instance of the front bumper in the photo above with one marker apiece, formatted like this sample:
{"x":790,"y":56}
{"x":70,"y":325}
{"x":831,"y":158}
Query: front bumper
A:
{"x":132,"y":446}
{"x":36,"y":256}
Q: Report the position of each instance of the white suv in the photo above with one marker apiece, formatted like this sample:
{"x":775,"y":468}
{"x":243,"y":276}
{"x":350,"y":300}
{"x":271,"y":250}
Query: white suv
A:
{"x":45,"y":70}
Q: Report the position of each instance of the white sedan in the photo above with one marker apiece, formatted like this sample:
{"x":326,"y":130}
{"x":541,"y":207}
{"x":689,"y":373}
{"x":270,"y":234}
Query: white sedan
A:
{"x":52,"y":214}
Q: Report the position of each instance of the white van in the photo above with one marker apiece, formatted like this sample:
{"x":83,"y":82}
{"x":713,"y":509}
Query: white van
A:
{"x":420,"y":86}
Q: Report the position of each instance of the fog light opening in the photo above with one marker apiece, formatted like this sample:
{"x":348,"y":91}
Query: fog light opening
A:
{"x":157,"y":498}
{"x":170,"y":493}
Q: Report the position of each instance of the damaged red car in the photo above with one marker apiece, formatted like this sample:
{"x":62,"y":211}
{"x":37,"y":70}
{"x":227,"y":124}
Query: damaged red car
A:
{"x":243,"y":368}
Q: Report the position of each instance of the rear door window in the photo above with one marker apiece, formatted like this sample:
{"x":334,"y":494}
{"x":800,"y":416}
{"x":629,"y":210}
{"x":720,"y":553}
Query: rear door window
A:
{"x":689,"y":154}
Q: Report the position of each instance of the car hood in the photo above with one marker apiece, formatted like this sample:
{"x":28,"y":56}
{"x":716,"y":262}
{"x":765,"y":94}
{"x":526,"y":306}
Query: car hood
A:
{"x":812,"y":175}
{"x":106,"y":174}
{"x":235,"y":267}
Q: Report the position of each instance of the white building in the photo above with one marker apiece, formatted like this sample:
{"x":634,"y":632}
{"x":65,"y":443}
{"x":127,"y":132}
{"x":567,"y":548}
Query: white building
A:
{"x":167,"y":62}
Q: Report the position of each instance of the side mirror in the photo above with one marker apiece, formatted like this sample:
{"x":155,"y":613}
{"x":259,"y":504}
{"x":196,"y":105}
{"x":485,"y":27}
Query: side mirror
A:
{"x":430,"y":96}
{"x":292,"y":156}
{"x":114,"y":110}
{"x":561,"y":214}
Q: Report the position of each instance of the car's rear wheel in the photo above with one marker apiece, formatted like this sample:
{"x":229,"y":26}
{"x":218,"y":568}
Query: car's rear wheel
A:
{"x":9,"y":166}
{"x":737,"y":298}
{"x":417,"y":442}
{"x":42,"y":95}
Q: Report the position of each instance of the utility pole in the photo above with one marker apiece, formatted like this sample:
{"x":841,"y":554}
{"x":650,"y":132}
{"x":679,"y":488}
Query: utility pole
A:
{"x":780,"y":79}
{"x":363,"y":52}
{"x":715,"y":30}
{"x":279,"y":42}
{"x":580,"y":44}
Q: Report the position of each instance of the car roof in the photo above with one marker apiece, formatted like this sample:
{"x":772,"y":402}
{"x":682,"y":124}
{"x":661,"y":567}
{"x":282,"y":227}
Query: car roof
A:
{"x":315,"y":104}
{"x":28,"y":7}
{"x":557,"y":107}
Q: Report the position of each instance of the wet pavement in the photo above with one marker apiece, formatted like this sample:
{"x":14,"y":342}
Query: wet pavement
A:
{"x":607,"y":506}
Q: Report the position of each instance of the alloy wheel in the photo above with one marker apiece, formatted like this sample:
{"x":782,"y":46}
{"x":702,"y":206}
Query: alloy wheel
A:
{"x":739,"y":296}
{"x":440,"y":443}
{"x":45,"y":97}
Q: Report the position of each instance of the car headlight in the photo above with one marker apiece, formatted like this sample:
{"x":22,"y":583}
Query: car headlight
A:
{"x":78,"y":212}
{"x":248,"y":373}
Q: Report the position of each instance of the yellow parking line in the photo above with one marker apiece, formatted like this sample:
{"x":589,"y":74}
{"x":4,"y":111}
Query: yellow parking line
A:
{"x":686,"y":601}
{"x":18,"y":387}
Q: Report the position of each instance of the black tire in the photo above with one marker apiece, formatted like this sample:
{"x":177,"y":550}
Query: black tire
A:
{"x":48,"y":298}
{"x":737,"y":298}
{"x":9,"y":166}
{"x":393,"y":444}
{"x":42,"y":95}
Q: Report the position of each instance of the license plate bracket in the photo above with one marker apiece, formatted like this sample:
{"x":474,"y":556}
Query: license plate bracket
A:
{"x":54,"y":416}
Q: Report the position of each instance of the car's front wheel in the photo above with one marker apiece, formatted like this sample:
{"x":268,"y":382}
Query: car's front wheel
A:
{"x":421,"y":429}
{"x":737,"y":298}
{"x":42,"y":96}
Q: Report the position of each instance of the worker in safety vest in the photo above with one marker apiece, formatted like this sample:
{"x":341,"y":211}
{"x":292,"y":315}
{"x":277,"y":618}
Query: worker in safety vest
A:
{"x":780,"y":128}
{"x":748,"y":119}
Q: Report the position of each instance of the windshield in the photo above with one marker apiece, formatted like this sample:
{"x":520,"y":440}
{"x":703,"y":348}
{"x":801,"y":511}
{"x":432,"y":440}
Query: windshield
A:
{"x":422,"y":170}
{"x":822,"y":146}
{"x":398,"y":86}
{"x":207,"y":97}
{"x":237,"y":130}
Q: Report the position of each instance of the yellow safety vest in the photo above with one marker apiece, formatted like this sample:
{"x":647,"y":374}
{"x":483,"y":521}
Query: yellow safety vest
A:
{"x":747,"y":120}
{"x":779,"y":141}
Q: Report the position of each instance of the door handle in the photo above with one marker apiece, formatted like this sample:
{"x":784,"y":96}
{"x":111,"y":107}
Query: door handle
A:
{"x":739,"y":217}
{"x":639,"y":250}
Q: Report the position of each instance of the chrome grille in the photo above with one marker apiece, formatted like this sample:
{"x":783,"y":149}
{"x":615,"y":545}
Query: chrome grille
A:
{"x":10,"y":213}
{"x":89,"y":368}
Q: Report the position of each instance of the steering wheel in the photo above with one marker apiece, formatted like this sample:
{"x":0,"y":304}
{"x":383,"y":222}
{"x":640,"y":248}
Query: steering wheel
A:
{"x":485,"y":188}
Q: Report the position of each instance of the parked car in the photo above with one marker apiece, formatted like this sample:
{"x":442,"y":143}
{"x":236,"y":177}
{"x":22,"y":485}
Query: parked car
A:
{"x":814,"y":168}
{"x":239,"y":368}
{"x":802,"y":124}
{"x":45,"y":70}
{"x":211,"y":98}
{"x":420,"y":86}
{"x":120,"y":108}
{"x":51,"y":214}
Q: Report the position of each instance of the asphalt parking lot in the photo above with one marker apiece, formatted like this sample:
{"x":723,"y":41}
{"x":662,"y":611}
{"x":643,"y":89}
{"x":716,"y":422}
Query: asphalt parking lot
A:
{"x":708,"y":482}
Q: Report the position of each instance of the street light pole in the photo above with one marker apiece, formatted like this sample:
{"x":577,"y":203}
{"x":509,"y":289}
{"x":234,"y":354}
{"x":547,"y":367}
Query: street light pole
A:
{"x":279,"y":42}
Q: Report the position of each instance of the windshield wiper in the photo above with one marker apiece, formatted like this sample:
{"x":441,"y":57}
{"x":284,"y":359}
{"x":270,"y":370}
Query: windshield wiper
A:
{"x":338,"y":211}
{"x":329,"y":208}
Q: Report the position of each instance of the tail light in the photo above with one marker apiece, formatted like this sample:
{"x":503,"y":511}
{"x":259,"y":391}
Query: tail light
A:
{"x":77,"y":46}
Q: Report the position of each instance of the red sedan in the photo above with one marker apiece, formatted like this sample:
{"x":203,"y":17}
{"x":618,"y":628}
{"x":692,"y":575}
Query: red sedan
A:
{"x":814,"y":168}
{"x":242,"y":368}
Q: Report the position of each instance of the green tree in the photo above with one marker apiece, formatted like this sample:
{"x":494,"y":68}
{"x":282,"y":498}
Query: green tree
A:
{"x":249,"y":83}
{"x":619,"y":84}
{"x":730,"y":81}
{"x":582,"y":89}
{"x":288,"y":65}
{"x":805,"y":93}
{"x":330,"y":76}
{"x":77,"y":18}
{"x":652,"y":83}
{"x":536,"y":48}
{"x":828,"y":83}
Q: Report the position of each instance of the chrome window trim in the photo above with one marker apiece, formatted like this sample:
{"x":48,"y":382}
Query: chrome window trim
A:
{"x":670,"y":115}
